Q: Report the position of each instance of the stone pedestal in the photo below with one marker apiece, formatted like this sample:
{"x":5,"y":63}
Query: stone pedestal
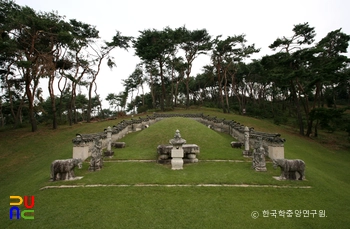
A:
{"x":177,"y":161}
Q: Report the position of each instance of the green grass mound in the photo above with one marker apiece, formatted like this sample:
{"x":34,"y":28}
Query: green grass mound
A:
{"x":143,"y":144}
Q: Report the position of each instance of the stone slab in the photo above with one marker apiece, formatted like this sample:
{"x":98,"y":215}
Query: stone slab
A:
{"x":81,"y":152}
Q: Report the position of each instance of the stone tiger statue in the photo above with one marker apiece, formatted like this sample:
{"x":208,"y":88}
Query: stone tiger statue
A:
{"x":64,"y":169}
{"x":289,"y":167}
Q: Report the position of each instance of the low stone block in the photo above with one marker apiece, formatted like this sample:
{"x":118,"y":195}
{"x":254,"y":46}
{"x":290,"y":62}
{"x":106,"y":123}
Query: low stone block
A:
{"x":108,"y":154}
{"x":119,"y":144}
{"x":236,"y":145}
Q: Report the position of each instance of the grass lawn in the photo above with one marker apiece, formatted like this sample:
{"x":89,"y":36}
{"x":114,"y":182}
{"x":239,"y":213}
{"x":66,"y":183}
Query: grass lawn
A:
{"x":150,"y":195}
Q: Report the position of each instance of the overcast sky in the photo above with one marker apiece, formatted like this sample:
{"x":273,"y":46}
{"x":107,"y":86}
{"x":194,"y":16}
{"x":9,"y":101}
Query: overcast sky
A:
{"x":261,"y":20}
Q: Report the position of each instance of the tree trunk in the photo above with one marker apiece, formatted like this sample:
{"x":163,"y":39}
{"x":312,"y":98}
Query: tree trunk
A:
{"x":218,"y":70}
{"x":99,"y":102}
{"x":187,"y":91}
{"x":176,"y":92}
{"x":172,"y":88}
{"x":152,"y":92}
{"x":163,"y":85}
{"x":61,"y":95}
{"x":72,"y":109}
{"x":316,"y":129}
{"x":15,"y":119}
{"x":143,"y":95}
{"x":53,"y":101}
{"x":305,"y":101}
{"x":30,"y":97}
{"x":297,"y":108}
{"x":227,"y":107}
{"x":1,"y":115}
{"x":88,"y":114}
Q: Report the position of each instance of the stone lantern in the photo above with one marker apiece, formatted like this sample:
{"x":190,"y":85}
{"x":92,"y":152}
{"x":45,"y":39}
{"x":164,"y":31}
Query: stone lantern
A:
{"x":109,"y":152}
{"x":177,"y":152}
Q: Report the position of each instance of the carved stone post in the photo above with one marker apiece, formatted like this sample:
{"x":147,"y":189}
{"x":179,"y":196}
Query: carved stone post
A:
{"x":177,"y":152}
{"x":246,"y":142}
{"x":109,"y":138}
{"x":109,"y":152}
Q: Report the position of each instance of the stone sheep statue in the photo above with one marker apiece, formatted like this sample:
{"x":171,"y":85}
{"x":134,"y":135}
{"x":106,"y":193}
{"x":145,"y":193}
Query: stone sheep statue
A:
{"x":289,"y":168}
{"x":64,"y":169}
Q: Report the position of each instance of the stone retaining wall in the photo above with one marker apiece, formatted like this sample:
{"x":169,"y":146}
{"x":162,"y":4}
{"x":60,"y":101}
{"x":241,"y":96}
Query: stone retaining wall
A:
{"x":272,"y":142}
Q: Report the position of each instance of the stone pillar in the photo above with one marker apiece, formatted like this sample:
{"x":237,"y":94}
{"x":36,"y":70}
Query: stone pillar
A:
{"x":246,"y":142}
{"x":109,"y":138}
{"x":177,"y":152}
{"x":109,"y":152}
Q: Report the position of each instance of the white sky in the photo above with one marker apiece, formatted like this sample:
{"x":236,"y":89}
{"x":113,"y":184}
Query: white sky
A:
{"x":261,"y":20}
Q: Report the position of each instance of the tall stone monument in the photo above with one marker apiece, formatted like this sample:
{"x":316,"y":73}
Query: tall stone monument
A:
{"x":177,"y":152}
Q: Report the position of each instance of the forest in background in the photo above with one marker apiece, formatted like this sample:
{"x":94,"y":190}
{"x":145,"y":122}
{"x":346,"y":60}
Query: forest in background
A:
{"x":304,"y":82}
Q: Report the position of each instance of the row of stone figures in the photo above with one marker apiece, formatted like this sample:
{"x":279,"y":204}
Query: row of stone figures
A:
{"x":64,"y":169}
{"x":290,"y":169}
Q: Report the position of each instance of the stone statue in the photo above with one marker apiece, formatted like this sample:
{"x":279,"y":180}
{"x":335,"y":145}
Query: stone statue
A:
{"x":177,"y":135}
{"x":177,"y":140}
{"x":96,"y":161}
{"x":289,"y":168}
{"x":259,"y":163}
{"x":64,"y":169}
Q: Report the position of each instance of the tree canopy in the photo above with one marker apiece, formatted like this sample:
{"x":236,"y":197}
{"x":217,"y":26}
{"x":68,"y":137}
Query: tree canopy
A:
{"x":304,"y":80}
